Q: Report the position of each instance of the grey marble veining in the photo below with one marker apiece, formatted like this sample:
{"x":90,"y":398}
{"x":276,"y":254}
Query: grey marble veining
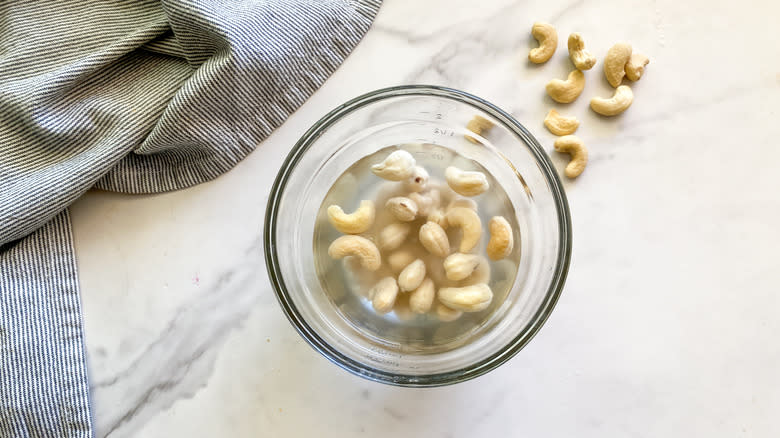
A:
{"x":667,"y":323}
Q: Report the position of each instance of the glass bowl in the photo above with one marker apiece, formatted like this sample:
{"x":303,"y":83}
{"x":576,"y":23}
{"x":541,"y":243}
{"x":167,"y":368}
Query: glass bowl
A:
{"x":417,"y":115}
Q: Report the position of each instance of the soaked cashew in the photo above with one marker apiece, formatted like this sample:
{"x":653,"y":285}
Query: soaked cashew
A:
{"x":478,"y":125}
{"x":359,"y":247}
{"x":560,"y":125}
{"x":355,"y":223}
{"x":400,"y":259}
{"x":404,"y":209}
{"x":383,"y":294}
{"x":462,"y":202}
{"x":446,"y":314}
{"x":466,"y":183}
{"x":434,"y":239}
{"x":469,"y":223}
{"x":459,"y":266}
{"x":467,"y":298}
{"x":438,"y":217}
{"x":421,"y":299}
{"x":614,"y":105}
{"x":418,"y":181}
{"x":615,"y":63}
{"x":501,"y":241}
{"x":410,"y":278}
{"x":547,"y":36}
{"x":481,"y":274}
{"x":635,"y":66}
{"x":424,"y":203}
{"x":393,"y":235}
{"x":582,"y":59}
{"x":566,"y":91}
{"x":572,"y":145}
{"x":398,"y":166}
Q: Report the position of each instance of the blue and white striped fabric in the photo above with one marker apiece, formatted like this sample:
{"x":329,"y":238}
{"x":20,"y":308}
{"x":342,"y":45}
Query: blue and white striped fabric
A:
{"x":136,"y":96}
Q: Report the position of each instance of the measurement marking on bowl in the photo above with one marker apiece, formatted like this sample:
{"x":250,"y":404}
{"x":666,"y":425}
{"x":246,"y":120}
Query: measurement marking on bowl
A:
{"x":444,"y":132}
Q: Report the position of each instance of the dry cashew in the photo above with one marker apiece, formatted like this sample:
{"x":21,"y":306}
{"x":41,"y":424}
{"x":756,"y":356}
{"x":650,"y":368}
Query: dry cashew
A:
{"x":566,"y":91}
{"x":412,"y":276}
{"x":466,"y":183}
{"x":501,"y":240}
{"x":572,"y":145}
{"x":478,"y":125}
{"x":383,"y":294}
{"x":615,"y":63}
{"x":469,"y":223}
{"x":398,"y":166}
{"x":355,"y":223}
{"x":446,"y":314}
{"x":359,"y":247}
{"x":560,"y":125}
{"x":635,"y":66}
{"x":393,"y":235}
{"x":582,"y":59}
{"x":614,"y":105}
{"x":421,"y":299}
{"x":404,"y":209}
{"x":434,"y":239}
{"x":418,"y":180}
{"x":459,"y":266}
{"x":467,"y":298}
{"x":400,"y":259}
{"x":547,"y":36}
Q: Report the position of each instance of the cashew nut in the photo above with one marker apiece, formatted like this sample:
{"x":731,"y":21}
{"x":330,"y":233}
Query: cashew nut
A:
{"x":404,"y":209}
{"x":572,"y":145}
{"x":393,"y":235}
{"x":635,"y":66}
{"x":548,"y":41}
{"x":418,"y":180}
{"x":466,"y":183}
{"x":501,"y":240}
{"x":459,"y":266}
{"x":400,"y":259}
{"x":478,"y":125}
{"x":359,"y":247}
{"x":582,"y":59}
{"x":462,"y":202}
{"x":434,"y":239}
{"x":398,"y":166}
{"x":566,"y":91}
{"x":383,"y":294}
{"x":423,"y":202}
{"x":614,"y":105}
{"x":355,"y":223}
{"x":467,"y":298}
{"x":438,"y":217}
{"x":421,"y":299}
{"x":560,"y":125}
{"x":615,"y":63}
{"x":469,"y":223}
{"x":481,"y":274}
{"x":411,"y":276}
{"x":446,"y":314}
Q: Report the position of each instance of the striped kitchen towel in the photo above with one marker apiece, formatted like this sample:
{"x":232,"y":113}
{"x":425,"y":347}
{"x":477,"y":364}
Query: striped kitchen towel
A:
{"x":138,"y":96}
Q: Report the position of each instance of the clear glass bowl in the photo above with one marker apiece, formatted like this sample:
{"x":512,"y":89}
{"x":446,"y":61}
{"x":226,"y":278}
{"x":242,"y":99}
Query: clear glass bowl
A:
{"x":417,"y":114}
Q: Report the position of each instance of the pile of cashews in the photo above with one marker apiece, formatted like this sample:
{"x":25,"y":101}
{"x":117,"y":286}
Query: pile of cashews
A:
{"x":619,"y":62}
{"x":405,"y":248}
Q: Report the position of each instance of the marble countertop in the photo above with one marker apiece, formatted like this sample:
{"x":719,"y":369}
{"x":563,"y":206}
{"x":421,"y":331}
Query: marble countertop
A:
{"x":668,"y":320}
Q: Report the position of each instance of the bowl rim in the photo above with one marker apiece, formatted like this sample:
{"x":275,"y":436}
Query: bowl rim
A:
{"x":437,"y":379}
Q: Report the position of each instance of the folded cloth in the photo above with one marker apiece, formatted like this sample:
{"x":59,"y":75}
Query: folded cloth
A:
{"x":138,"y":97}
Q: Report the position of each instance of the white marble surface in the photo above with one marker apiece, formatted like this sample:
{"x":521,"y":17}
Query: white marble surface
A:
{"x":668,"y":322}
